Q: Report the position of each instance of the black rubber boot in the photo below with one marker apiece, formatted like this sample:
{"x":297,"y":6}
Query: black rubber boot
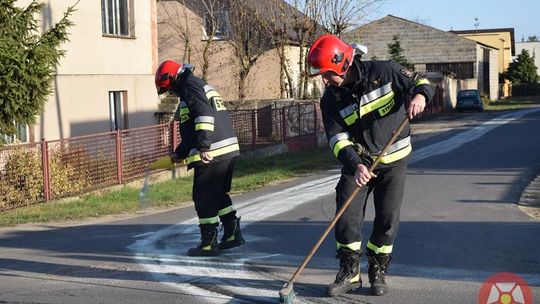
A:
{"x":377,"y":266}
{"x":348,"y":276}
{"x":208,"y":245}
{"x":232,"y":235}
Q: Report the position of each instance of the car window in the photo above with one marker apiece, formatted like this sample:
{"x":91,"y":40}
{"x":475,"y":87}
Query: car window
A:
{"x":471,"y":93}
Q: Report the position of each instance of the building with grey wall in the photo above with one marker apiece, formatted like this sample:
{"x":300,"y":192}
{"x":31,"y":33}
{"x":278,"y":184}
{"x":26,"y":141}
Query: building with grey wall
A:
{"x":473,"y":65}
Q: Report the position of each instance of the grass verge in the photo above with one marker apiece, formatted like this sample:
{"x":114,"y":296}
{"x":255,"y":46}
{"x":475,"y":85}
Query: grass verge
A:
{"x":513,"y":104}
{"x":250,"y":174}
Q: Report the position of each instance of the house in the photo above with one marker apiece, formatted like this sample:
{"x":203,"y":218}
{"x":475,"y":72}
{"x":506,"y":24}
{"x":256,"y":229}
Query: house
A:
{"x":534,"y":51}
{"x":498,"y":38}
{"x":466,"y":64}
{"x":105,"y":81}
{"x":186,"y":27}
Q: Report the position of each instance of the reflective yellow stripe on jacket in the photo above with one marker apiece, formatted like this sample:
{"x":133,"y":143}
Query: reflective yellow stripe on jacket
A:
{"x":350,"y":114}
{"x":396,"y":151}
{"x":381,"y":99}
{"x":184,"y":112}
{"x":339,"y":141}
{"x":421,"y":81}
{"x":216,"y":149}
{"x":204,"y":123}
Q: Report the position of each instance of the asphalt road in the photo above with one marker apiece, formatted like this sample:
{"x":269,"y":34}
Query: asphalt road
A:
{"x":460,"y":225}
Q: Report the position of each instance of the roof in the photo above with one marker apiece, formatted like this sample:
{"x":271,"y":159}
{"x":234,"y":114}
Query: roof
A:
{"x":493,"y":30}
{"x":438,"y":44}
{"x":409,"y":21}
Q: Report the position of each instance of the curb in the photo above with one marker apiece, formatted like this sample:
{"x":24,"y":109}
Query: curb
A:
{"x":531,"y":194}
{"x":529,"y":201}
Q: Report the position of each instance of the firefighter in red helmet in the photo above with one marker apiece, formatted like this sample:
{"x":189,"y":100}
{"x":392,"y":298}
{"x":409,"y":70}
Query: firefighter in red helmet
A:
{"x":363,"y":104}
{"x":210,"y":146}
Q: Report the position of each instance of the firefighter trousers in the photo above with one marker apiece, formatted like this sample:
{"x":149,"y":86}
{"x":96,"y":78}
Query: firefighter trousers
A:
{"x":211,"y":187}
{"x":387,"y":189}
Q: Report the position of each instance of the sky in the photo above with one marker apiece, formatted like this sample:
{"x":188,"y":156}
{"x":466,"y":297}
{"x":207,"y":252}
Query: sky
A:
{"x":522,"y":15}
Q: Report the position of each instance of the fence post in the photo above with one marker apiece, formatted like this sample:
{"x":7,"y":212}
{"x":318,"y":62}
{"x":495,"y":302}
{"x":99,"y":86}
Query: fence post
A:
{"x":119,"y":156}
{"x":299,"y":122}
{"x":46,"y":172}
{"x":174,"y":141}
{"x":314,"y":119}
{"x":283,"y":124}
{"x":253,"y":130}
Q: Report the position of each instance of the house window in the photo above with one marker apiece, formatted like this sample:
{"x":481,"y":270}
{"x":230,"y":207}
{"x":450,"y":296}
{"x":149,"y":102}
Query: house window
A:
{"x":118,"y":110}
{"x":20,"y":137}
{"x":117,"y":17}
{"x":217,"y":27}
{"x":463,"y":70}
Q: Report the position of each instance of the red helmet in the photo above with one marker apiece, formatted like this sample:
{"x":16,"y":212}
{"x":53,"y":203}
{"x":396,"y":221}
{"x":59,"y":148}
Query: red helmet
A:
{"x":329,"y":53}
{"x":165,"y":74}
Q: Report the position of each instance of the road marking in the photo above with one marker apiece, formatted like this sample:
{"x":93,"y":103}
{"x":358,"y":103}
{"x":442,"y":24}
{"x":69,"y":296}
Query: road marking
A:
{"x":227,"y":278}
{"x":163,"y":253}
{"x":462,"y":138}
{"x":142,"y":234}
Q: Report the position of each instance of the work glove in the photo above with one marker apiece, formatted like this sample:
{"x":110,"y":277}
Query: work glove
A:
{"x":175,"y":158}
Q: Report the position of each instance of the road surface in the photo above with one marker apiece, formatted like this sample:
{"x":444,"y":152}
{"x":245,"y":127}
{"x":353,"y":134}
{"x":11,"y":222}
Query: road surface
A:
{"x":460,"y":225}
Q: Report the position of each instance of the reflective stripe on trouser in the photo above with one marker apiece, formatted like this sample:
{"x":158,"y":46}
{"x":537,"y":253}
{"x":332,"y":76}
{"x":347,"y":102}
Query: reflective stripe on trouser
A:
{"x":356,"y":246}
{"x":383,"y":249}
{"x":211,"y":186}
{"x":387,"y":189}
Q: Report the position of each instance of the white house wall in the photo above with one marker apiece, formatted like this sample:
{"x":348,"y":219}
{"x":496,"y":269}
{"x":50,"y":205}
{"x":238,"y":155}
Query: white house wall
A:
{"x":94,"y":65}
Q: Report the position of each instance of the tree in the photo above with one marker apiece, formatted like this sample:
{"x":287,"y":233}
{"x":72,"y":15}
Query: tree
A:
{"x":306,"y":24}
{"x":277,"y":25}
{"x":338,"y":16}
{"x":175,"y":25}
{"x":533,"y":39}
{"x":395,"y":51}
{"x":28,"y":61}
{"x":248,"y":39}
{"x":177,"y":28}
{"x":522,"y":69}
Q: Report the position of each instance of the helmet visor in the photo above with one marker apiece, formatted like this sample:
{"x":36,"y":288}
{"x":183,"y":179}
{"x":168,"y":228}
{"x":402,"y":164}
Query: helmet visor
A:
{"x":162,"y":90}
{"x":163,"y":93}
{"x":315,"y":71}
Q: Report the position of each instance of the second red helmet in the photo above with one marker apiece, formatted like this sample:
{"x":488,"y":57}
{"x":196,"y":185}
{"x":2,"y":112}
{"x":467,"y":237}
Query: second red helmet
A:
{"x":329,"y":53}
{"x":165,"y":74}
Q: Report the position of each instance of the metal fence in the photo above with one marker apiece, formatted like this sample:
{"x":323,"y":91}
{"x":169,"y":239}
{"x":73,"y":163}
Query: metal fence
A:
{"x":39,"y":172}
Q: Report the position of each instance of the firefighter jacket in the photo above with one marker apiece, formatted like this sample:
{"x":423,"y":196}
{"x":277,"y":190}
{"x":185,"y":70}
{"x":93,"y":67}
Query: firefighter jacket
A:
{"x":205,"y":125}
{"x":359,"y":118}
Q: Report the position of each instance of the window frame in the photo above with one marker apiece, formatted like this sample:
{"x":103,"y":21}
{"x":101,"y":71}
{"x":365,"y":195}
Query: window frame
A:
{"x":118,"y":113}
{"x":22,"y":135}
{"x":121,"y":23}
{"x":462,"y":70}
{"x":222,"y":19}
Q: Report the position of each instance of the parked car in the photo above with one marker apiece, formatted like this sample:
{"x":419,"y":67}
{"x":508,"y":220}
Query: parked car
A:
{"x":469,"y":100}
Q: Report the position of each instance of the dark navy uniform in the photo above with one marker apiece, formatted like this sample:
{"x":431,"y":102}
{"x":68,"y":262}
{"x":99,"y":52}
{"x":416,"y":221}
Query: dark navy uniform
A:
{"x":205,"y":126}
{"x":359,"y":119}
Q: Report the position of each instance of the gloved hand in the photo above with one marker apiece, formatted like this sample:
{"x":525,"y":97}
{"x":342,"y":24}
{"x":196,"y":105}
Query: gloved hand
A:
{"x":176,"y":158}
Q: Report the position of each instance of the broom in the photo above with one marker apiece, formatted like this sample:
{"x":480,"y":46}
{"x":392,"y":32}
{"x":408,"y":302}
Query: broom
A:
{"x":287,"y":294}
